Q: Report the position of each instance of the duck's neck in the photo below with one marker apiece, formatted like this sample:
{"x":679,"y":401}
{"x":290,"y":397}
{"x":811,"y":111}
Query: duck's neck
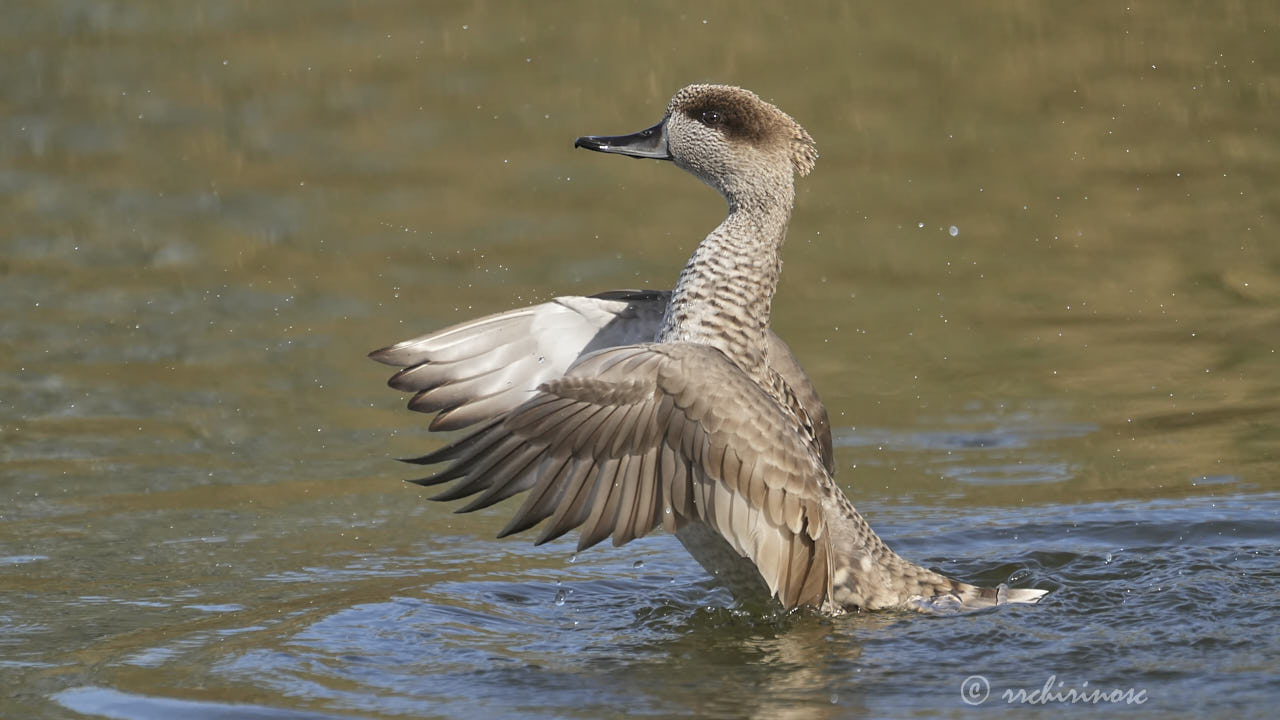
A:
{"x":725,"y":292}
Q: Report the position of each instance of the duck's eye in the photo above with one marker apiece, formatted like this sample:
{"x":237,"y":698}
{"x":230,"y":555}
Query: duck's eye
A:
{"x":710,"y":118}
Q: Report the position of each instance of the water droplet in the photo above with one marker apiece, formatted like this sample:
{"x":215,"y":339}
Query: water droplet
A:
{"x":560,"y":596}
{"x":1107,"y":559}
{"x":953,"y":231}
{"x":573,"y":558}
{"x":637,"y":564}
{"x":835,"y":699}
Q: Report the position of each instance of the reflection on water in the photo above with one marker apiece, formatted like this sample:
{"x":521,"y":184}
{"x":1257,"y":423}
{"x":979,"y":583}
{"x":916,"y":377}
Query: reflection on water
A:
{"x":213,"y":211}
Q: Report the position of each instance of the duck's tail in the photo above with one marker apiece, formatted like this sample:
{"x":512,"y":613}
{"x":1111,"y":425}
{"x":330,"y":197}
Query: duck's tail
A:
{"x":963,"y":597}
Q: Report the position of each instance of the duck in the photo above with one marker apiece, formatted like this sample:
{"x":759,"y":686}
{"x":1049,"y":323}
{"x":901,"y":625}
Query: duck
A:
{"x":622,"y":412}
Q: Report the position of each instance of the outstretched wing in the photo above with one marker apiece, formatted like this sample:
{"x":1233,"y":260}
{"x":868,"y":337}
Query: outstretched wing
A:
{"x":478,"y":370}
{"x":638,"y":436}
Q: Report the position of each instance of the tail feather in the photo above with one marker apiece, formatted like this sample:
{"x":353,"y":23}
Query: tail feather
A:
{"x":968,"y":598}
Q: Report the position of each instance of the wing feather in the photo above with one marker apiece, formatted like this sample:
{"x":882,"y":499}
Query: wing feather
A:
{"x":573,"y":506}
{"x":513,"y":477}
{"x":478,"y":370}
{"x":678,"y":491}
{"x":507,"y":451}
{"x":646,"y":514}
{"x":604,"y":507}
{"x":628,"y":491}
{"x":637,"y":436}
{"x":546,"y":494}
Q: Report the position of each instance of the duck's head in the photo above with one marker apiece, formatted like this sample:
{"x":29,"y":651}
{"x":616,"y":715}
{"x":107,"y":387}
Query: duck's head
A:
{"x":726,"y":136}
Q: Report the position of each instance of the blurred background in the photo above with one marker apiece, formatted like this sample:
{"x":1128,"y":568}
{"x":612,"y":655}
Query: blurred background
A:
{"x":1035,"y":275}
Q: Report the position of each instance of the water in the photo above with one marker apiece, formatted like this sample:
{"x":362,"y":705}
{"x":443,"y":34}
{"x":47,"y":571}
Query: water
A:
{"x":1034,"y":276}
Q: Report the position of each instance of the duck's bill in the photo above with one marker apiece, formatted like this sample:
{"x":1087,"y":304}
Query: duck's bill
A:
{"x":648,"y":143}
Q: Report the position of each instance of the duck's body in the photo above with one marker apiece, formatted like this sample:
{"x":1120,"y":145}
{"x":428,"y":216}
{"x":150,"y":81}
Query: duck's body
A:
{"x":625,"y":411}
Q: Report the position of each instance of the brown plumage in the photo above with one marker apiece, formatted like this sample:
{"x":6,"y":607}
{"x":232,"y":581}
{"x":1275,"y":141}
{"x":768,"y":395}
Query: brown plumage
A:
{"x":626,"y":411}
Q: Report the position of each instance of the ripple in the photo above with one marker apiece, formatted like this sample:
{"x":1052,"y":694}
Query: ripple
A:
{"x":105,"y":702}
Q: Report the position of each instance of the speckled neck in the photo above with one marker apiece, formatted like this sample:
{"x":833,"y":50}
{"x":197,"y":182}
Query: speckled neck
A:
{"x":725,"y":292}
